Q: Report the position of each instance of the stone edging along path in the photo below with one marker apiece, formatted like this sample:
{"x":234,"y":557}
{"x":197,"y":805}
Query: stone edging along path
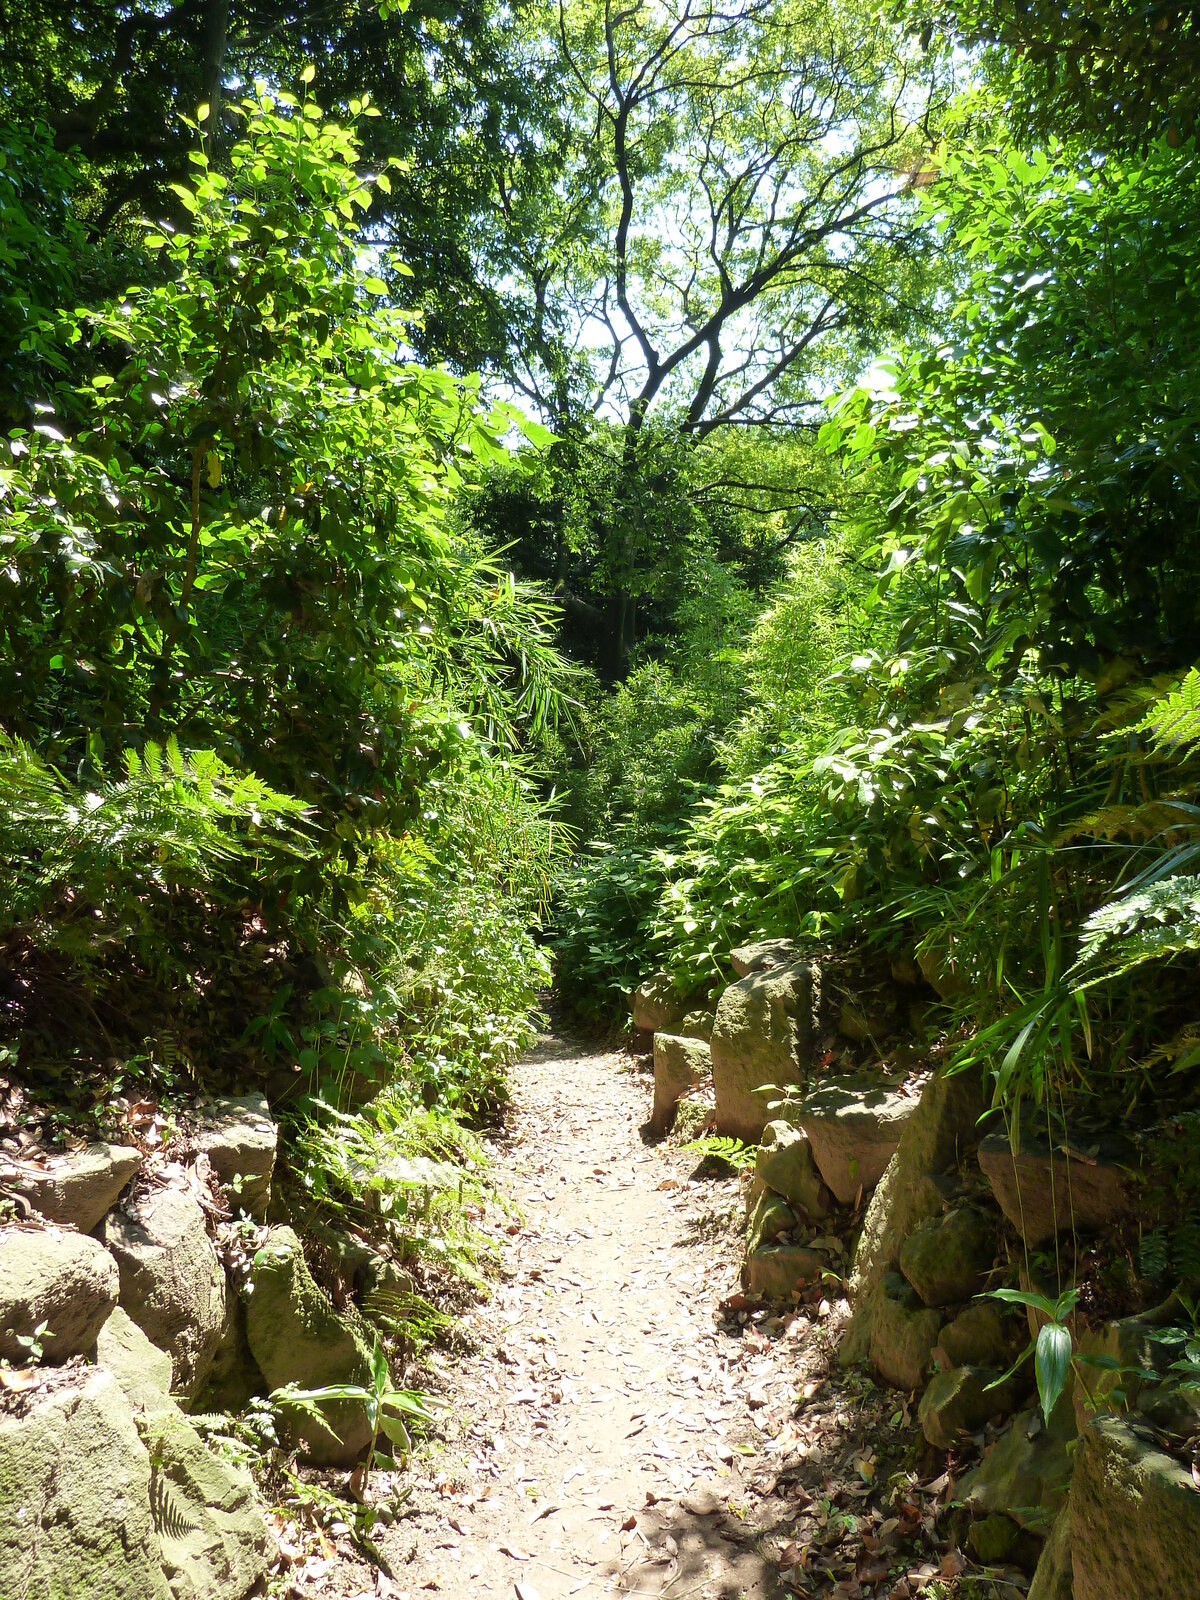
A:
{"x":627,"y":1423}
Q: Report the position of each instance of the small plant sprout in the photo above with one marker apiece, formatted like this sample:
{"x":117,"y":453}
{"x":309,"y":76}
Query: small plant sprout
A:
{"x":386,"y":1407}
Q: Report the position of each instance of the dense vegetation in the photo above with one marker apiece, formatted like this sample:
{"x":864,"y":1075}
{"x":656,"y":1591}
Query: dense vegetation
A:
{"x":479,"y":479}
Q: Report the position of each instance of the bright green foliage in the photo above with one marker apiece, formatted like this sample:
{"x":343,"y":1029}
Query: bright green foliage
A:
{"x":43,"y":249}
{"x":1117,"y":71}
{"x":118,"y":853}
{"x":1174,"y":721}
{"x":1068,"y":523}
{"x":462,"y":95}
{"x":226,"y":531}
{"x":1053,"y":1348}
{"x":399,"y":1172}
{"x":235,"y":527}
{"x":701,"y":781}
{"x":1001,"y":774}
{"x":389,"y":1410}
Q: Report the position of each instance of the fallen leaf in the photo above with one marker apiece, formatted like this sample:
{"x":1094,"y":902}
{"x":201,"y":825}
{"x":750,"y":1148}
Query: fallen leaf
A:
{"x":952,"y":1565}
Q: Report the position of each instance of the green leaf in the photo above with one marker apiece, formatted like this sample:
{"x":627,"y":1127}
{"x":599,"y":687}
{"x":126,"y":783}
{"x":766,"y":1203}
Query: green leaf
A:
{"x":1051,"y":1364}
{"x":186,"y":196}
{"x":392,"y":1428}
{"x":380,"y":1376}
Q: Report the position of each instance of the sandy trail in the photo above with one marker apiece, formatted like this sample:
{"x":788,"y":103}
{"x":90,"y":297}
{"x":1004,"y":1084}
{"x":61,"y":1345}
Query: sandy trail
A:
{"x":618,"y":1435}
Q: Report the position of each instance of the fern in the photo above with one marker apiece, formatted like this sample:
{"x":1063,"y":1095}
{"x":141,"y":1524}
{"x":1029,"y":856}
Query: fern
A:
{"x":1160,"y":921}
{"x":732,"y":1151}
{"x":1174,"y":721}
{"x":181,"y":819}
{"x":174,"y":821}
{"x":1153,"y":1254}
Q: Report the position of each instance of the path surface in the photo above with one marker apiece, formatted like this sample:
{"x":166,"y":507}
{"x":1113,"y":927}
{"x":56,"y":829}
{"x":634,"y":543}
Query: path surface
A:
{"x":617,"y":1433}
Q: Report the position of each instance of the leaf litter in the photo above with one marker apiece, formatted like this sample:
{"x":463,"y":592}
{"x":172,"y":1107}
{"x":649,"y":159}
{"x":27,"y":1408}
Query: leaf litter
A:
{"x":626,"y":1421}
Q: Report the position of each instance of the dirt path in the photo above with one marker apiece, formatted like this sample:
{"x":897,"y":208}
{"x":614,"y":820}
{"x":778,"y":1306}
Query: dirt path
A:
{"x":617,"y":1432}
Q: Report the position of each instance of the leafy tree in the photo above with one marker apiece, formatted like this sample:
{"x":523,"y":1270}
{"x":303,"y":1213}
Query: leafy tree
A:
{"x":458,"y":90}
{"x":729,"y":236}
{"x":1065,"y":525}
{"x":227,"y":534}
{"x":235,"y":528}
{"x":1121,"y":72}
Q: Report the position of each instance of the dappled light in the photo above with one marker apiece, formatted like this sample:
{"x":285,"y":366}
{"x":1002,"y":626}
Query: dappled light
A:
{"x":599,"y":800}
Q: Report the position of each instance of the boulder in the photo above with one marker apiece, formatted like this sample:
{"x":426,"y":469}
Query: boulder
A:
{"x":213,"y":1536}
{"x":296,"y":1336}
{"x":939,"y":1134}
{"x":212,"y":1532}
{"x":893,"y":1210}
{"x":904,"y":969}
{"x":1053,"y":1578}
{"x":983,"y":1334}
{"x":960,"y":1400}
{"x":996,"y":1539}
{"x":771,"y":1217}
{"x":1140,"y":1356}
{"x":784,"y":1162}
{"x":1044,"y":1193}
{"x":1172,"y":1407}
{"x":764,"y":955}
{"x":141,"y":1368}
{"x":939,"y":965}
{"x":776,"y":1271}
{"x":75,"y":1511}
{"x":233,"y":1379}
{"x":948,"y":1259}
{"x":863,"y":1026}
{"x":1027,"y":1471}
{"x":239,"y":1137}
{"x":58,"y":1277}
{"x":76,"y":1188}
{"x":761,"y":1043}
{"x":1134,"y":1517}
{"x":900,"y":1203}
{"x":679,"y":1064}
{"x":853,"y":1122}
{"x":656,"y":1006}
{"x":698,"y":1025}
{"x":901,"y":1333}
{"x":172,"y":1280}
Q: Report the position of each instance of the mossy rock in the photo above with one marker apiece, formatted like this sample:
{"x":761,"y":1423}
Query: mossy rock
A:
{"x":983,"y":1334}
{"x":960,"y":1400}
{"x":1134,"y":1516}
{"x":901,"y":1333}
{"x":947,"y":1259}
{"x":296,"y":1336}
{"x":784,"y":1162}
{"x":771,"y":1217}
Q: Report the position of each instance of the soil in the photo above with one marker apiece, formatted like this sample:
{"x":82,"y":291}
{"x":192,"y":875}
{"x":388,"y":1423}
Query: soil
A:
{"x":625,"y":1422}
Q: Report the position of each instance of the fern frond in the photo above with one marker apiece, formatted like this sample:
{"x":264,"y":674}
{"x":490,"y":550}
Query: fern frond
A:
{"x":1161,"y":920}
{"x":1155,"y":819}
{"x":732,"y":1151}
{"x":1174,"y":721}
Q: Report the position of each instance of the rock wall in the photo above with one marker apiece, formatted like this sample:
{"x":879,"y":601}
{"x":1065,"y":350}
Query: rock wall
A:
{"x":117,"y":1303}
{"x":907,"y":1187}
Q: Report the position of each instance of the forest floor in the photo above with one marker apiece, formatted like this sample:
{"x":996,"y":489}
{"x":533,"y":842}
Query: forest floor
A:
{"x":622,"y":1421}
